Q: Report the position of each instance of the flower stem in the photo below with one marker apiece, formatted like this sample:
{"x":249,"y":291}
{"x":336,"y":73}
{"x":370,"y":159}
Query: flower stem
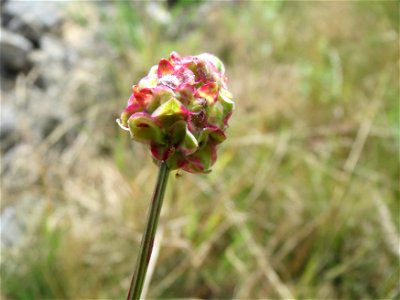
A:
{"x":146,"y":245}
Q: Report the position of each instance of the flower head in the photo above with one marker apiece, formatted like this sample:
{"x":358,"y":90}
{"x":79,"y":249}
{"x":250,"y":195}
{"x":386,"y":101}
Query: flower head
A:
{"x":181,"y":110}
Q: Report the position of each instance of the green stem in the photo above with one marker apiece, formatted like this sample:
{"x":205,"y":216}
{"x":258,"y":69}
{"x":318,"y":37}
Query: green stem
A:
{"x":146,"y":246}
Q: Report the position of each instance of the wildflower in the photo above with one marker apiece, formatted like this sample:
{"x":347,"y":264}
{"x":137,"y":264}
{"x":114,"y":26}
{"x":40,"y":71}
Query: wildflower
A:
{"x":181,"y":110}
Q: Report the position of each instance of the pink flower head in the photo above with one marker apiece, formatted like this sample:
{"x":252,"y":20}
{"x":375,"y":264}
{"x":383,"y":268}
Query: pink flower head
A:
{"x":181,"y":110}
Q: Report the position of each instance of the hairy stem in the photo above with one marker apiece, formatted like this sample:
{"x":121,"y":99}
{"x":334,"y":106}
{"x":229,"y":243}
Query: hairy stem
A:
{"x":146,"y":245}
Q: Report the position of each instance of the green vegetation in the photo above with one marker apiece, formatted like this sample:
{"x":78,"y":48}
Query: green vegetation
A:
{"x":303,"y":201}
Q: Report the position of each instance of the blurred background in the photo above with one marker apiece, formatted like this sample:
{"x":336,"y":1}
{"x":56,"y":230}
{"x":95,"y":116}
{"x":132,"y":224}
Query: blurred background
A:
{"x":303,"y":201}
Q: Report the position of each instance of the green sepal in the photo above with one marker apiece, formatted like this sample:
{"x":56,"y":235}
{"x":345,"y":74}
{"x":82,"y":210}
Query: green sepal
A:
{"x":176,"y":161}
{"x":225,"y":98}
{"x":176,"y":132}
{"x":143,"y":129}
{"x":215,"y":114}
{"x":196,"y":105}
{"x":202,"y":160}
{"x":169,"y":113}
{"x":207,"y":155}
{"x":216,"y":135}
{"x":189,"y":144}
{"x":160,"y":96}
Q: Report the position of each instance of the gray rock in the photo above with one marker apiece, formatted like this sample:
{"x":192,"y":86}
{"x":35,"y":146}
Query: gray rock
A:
{"x":32,"y":18}
{"x":27,"y":28}
{"x":20,"y":168}
{"x":11,"y":230}
{"x":8,"y":127}
{"x":19,"y":220}
{"x":55,"y":49}
{"x":14,"y":51}
{"x":47,"y":124}
{"x":54,"y":53}
{"x":46,"y":111}
{"x":7,"y":80}
{"x":156,"y":11}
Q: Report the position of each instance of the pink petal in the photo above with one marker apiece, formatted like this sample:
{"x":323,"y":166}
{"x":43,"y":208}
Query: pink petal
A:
{"x":185,"y":93}
{"x":175,"y":57}
{"x":131,"y":109}
{"x":185,"y":75}
{"x":131,"y":99}
{"x":209,"y":91}
{"x":164,"y":68}
{"x":143,"y":96}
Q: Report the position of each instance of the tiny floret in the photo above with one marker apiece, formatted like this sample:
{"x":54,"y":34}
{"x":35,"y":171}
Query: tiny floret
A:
{"x":181,"y":110}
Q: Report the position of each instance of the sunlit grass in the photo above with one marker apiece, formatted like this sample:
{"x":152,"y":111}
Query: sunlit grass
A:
{"x":304,"y":198}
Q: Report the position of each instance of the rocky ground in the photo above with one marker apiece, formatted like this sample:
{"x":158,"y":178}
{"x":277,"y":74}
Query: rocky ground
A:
{"x":35,"y":54}
{"x":42,"y":59}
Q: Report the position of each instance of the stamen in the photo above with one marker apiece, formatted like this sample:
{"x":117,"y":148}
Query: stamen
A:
{"x":121,"y":125}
